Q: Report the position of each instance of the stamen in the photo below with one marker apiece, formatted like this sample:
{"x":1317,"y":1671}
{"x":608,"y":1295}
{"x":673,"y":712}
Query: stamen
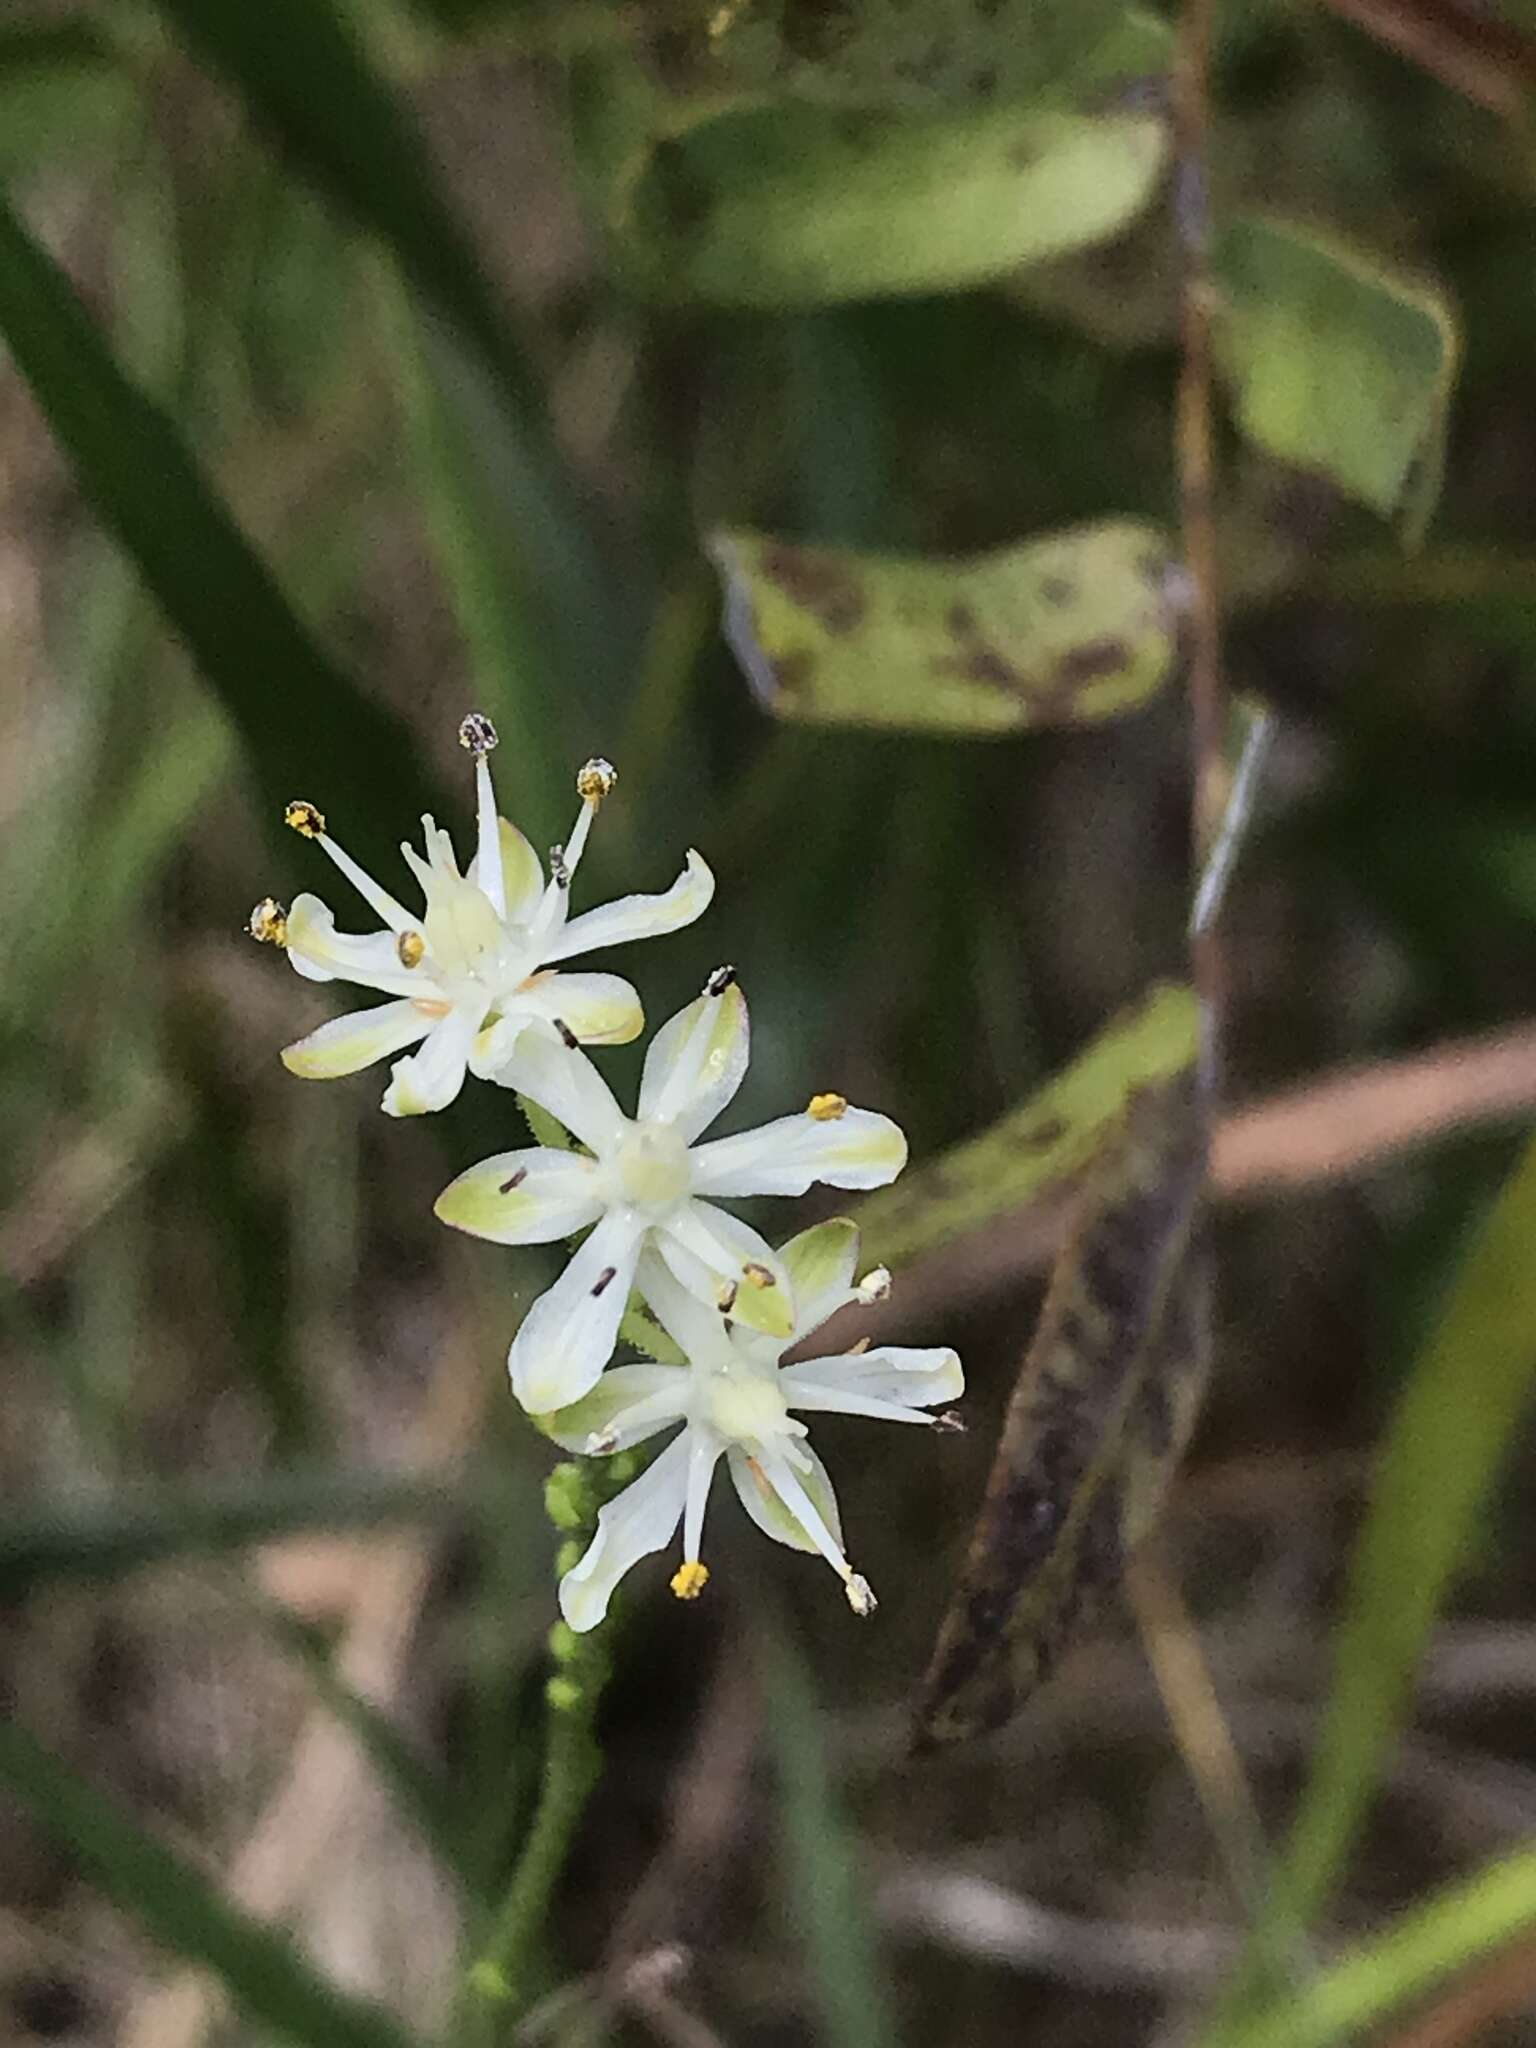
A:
{"x":477,"y":734}
{"x":861,"y":1595}
{"x":725,"y":1296}
{"x":596,"y":779}
{"x":720,"y":981}
{"x":569,"y":1036}
{"x":600,"y":1442}
{"x":950,"y":1423}
{"x":827,"y":1108}
{"x":302,"y":817}
{"x":858,"y":1350}
{"x":515,"y":1180}
{"x":559,"y":872}
{"x":268,"y":923}
{"x":689,"y":1580}
{"x":757,"y":1275}
{"x":601,"y":1284}
{"x":876,"y":1285}
{"x":410,"y":949}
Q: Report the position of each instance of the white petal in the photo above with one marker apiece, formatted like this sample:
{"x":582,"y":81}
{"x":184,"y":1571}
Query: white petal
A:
{"x":732,"y":1255}
{"x":758,"y":1482}
{"x":695,"y":1063}
{"x":687,"y":1314}
{"x":820,"y":1263}
{"x":889,"y":1381}
{"x":636,"y":1522}
{"x":568,"y":1336}
{"x":628,"y":1404}
{"x":321,"y":953}
{"x":431,"y":1078}
{"x":485,"y":870}
{"x":639,"y":917}
{"x":859,"y":1149}
{"x":601,"y":1009}
{"x":521,"y":875}
{"x":356,"y":1040}
{"x":529,"y":1197}
{"x":704,"y":1449}
{"x":565,"y":1083}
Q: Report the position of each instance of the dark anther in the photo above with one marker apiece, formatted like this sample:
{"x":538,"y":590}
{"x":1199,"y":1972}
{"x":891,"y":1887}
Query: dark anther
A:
{"x":719,"y":981}
{"x":567,"y":1033}
{"x":602,"y":1280}
{"x":516,"y":1181}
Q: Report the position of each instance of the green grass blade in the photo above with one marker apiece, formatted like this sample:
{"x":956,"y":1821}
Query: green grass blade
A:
{"x":1416,"y":1953}
{"x":829,"y":1896}
{"x":260,"y":1968}
{"x":1458,"y":1414}
{"x":296,"y":711}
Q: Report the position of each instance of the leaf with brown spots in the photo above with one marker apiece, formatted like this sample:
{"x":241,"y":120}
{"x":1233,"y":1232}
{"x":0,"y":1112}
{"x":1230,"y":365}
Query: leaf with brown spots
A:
{"x":1062,"y":631}
{"x":1103,"y":1408}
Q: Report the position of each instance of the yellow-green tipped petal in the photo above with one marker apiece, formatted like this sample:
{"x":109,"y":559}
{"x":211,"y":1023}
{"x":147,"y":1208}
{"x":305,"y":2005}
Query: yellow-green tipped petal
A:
{"x":530,"y":1197}
{"x":858,"y":1149}
{"x":347,"y":1044}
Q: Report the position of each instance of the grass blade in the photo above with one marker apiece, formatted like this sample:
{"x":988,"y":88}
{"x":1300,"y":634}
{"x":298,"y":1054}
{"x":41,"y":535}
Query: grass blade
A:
{"x":1416,"y":1953}
{"x":1458,"y":1414}
{"x":261,"y":1969}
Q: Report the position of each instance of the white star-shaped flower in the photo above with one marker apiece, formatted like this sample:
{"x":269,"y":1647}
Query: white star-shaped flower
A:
{"x":736,"y":1401}
{"x":644,"y":1181}
{"x":475,"y":970}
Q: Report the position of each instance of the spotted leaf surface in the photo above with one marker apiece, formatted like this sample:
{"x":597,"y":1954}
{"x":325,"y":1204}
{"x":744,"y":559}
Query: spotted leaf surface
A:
{"x":1062,"y":631}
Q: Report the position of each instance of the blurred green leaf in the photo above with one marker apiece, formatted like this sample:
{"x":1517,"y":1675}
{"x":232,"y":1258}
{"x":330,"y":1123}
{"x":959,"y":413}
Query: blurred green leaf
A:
{"x":796,"y":205}
{"x":1040,"y":1147}
{"x":308,"y":79}
{"x":1098,"y":1421}
{"x":1415,"y":1954}
{"x":1337,"y":362}
{"x":261,"y":1969}
{"x":295,"y":710}
{"x":1457,"y":1417}
{"x":873,"y":52}
{"x":57,"y":79}
{"x":1063,"y":631}
{"x":827,"y":1894}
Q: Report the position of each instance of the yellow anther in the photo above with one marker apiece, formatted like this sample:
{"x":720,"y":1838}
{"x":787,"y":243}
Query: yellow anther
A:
{"x":596,"y":779}
{"x":689,"y":1580}
{"x":725,"y":1296}
{"x":827,"y":1108}
{"x":858,"y":1350}
{"x":268,"y":923}
{"x":477,"y":734}
{"x":861,"y":1595}
{"x":757,"y":1275}
{"x":303,"y":818}
{"x":410,"y":949}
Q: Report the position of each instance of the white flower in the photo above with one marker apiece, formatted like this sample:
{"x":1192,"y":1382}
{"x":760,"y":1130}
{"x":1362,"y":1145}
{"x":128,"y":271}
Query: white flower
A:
{"x":471,"y":973}
{"x":647,"y":1182}
{"x":735,"y":1400}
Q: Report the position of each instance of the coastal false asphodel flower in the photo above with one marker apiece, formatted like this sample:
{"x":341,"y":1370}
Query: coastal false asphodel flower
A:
{"x":645,"y":1181}
{"x":735,"y":1400}
{"x":476,"y":969}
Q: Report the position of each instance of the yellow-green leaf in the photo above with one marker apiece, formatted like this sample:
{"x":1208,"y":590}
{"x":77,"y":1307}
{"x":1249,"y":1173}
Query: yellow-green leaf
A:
{"x":1337,"y":361}
{"x":1061,"y":631}
{"x":1042,"y":1146}
{"x":788,"y":203}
